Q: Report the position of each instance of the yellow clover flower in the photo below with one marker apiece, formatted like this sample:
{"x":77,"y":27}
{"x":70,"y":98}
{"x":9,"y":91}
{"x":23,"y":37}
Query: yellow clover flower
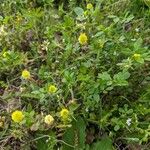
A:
{"x":17,"y":116}
{"x":89,"y":6}
{"x":52,"y":89}
{"x":82,"y":39}
{"x":49,"y":119}
{"x":26,"y":74}
{"x":137,"y":56}
{"x":64,"y":114}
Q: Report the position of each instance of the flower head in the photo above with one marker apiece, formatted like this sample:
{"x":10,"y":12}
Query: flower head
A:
{"x":137,"y":56}
{"x":45,"y":45}
{"x":52,"y":89}
{"x":17,"y":116}
{"x":64,"y":114}
{"x":49,"y":119}
{"x":82,"y":39}
{"x":25,"y":74}
{"x":89,"y":6}
{"x":128,"y":122}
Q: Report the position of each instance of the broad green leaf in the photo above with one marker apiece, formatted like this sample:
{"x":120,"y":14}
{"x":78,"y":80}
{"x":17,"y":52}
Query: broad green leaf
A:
{"x":117,"y":127}
{"x":104,"y":76}
{"x":79,"y":11}
{"x":41,"y":144}
{"x":104,"y":144}
{"x":138,"y":44}
{"x":120,"y":78}
{"x":75,"y":136}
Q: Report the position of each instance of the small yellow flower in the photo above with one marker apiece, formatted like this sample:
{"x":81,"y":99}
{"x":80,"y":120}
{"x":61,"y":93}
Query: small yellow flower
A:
{"x":26,"y":74}
{"x":64,"y":114}
{"x":52,"y":89}
{"x":89,"y":6}
{"x":17,"y":116}
{"x":137,"y":56}
{"x":49,"y":119}
{"x":82,"y":39}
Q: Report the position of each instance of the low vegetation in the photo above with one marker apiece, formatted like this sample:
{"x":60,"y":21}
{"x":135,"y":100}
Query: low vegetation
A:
{"x":75,"y":75}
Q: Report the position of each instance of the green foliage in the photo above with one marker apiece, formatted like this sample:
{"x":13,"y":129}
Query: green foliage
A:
{"x":75,"y":136}
{"x":45,"y":143}
{"x":79,"y":75}
{"x":105,"y":143}
{"x":147,"y":2}
{"x":11,"y":60}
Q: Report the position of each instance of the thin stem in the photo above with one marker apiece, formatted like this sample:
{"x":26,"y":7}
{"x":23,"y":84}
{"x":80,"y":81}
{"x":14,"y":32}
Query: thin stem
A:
{"x":56,"y":140}
{"x":40,"y":138}
{"x":65,"y":143}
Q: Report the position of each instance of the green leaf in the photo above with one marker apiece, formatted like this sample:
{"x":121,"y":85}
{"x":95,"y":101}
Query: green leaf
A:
{"x":120,"y":78}
{"x":75,"y":136}
{"x":138,"y":44}
{"x":79,"y":11}
{"x":104,"y":144}
{"x":68,"y":21}
{"x":117,"y":127}
{"x":41,"y":144}
{"x":46,"y":143}
{"x":147,"y":2}
{"x":104,"y":80}
{"x":105,"y":76}
{"x":129,"y":18}
{"x":132,"y":139}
